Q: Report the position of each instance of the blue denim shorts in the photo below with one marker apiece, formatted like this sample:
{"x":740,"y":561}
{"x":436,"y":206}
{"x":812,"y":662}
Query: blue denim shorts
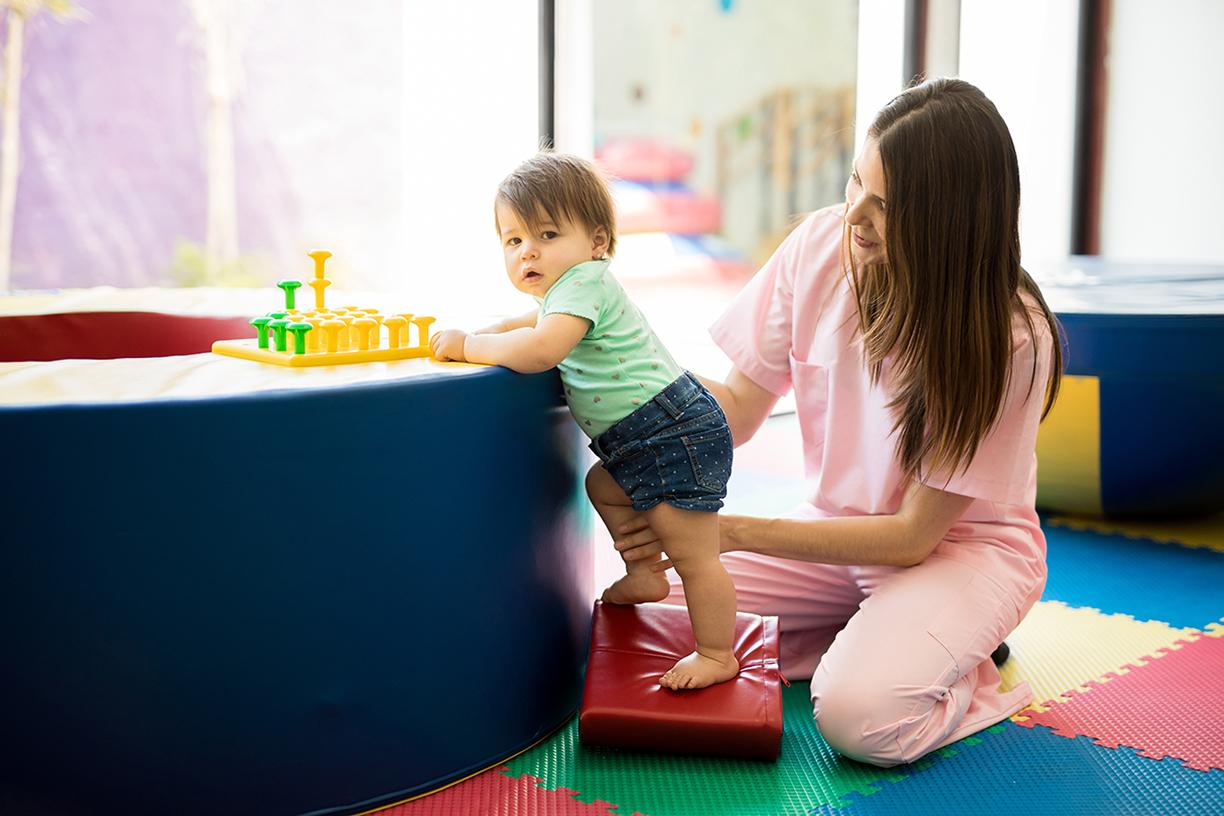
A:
{"x":676,"y":448}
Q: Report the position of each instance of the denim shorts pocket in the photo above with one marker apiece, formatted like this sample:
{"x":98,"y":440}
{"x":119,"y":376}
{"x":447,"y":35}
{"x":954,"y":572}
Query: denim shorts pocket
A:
{"x":710,"y":455}
{"x":635,"y":468}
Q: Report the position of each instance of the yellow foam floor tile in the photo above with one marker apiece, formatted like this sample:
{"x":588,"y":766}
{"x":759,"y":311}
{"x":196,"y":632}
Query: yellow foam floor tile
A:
{"x":1203,"y":532}
{"x":1057,"y":648}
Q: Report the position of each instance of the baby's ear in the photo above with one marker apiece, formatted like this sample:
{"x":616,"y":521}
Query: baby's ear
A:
{"x":599,"y":243}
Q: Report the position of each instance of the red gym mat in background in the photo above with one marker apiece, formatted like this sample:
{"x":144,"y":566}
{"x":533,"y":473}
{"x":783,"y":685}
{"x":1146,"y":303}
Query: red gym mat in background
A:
{"x":110,"y":335}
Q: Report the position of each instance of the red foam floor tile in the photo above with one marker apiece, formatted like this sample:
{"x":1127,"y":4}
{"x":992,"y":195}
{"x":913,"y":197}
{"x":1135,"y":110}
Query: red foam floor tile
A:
{"x":1172,"y":705}
{"x":492,"y":793}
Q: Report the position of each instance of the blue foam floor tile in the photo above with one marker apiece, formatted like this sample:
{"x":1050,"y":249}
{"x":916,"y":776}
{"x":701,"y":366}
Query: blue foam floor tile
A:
{"x":1143,"y":579}
{"x":1021,"y":771}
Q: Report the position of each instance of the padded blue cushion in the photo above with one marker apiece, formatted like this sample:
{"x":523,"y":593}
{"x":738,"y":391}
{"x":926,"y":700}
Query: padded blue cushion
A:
{"x":287,"y":602}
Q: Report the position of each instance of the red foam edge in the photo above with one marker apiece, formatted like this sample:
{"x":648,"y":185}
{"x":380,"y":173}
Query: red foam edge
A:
{"x":624,"y":706}
{"x":111,"y":335}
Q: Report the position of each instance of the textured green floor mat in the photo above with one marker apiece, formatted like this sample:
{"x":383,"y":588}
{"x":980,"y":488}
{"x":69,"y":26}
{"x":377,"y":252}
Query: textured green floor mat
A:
{"x":807,"y":775}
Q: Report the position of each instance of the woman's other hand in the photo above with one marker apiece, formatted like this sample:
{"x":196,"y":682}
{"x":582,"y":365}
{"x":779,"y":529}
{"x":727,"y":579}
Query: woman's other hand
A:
{"x":636,"y":541}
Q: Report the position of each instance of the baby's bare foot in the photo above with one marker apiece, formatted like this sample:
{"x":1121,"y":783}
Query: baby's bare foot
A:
{"x":641,"y":587}
{"x":698,"y":671}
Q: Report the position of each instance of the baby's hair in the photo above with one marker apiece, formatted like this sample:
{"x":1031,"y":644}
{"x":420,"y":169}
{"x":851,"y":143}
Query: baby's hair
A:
{"x":559,"y":186}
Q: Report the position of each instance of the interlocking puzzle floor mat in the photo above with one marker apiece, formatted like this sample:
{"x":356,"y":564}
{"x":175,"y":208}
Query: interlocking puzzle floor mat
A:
{"x":1205,"y":532}
{"x":1171,"y":704}
{"x":1125,"y":656}
{"x":1134,"y":576}
{"x":1002,"y":770}
{"x":1014,"y":772}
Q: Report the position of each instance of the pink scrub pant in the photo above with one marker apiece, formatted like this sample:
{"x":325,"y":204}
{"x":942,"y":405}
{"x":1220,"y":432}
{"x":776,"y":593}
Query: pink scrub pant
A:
{"x":899,"y":657}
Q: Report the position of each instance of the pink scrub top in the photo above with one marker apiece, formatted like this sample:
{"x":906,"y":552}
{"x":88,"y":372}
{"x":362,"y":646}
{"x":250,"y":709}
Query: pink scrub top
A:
{"x":795,"y":325}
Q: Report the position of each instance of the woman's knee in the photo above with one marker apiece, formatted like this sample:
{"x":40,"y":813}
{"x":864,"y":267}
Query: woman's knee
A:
{"x":857,"y":720}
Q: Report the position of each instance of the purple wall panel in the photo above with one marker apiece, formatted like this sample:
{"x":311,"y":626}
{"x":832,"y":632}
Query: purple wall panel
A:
{"x":112,"y":169}
{"x":113,"y":156}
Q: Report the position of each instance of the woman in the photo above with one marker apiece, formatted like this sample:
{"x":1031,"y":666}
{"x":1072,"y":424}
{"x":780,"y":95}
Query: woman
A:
{"x":922,"y":358}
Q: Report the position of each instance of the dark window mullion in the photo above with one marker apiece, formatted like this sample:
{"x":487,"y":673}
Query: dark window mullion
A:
{"x":913,"y":61}
{"x":548,"y":60}
{"x":1092,"y":85}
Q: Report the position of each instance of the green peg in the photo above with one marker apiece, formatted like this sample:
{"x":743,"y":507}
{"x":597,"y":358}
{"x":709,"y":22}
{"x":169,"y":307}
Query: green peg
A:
{"x":299,"y":336}
{"x":289,"y":287}
{"x":278,"y":328}
{"x":261,"y":326}
{"x":277,"y":315}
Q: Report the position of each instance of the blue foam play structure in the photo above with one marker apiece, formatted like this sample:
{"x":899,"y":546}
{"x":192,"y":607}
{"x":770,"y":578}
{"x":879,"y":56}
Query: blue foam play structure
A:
{"x":302,"y":601}
{"x":1151,"y":336}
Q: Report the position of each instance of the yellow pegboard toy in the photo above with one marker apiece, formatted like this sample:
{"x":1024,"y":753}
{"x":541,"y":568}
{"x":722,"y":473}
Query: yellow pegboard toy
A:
{"x":325,"y":336}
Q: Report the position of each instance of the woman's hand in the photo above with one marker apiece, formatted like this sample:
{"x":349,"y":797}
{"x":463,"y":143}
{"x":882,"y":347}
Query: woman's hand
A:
{"x":635,"y":540}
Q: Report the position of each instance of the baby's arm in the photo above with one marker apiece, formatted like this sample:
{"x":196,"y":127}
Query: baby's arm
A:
{"x":448,"y":344}
{"x":528,"y":349}
{"x":523,"y":321}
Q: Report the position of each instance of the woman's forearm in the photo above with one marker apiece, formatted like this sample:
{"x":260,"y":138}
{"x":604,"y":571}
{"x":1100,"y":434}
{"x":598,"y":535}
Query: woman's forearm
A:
{"x":746,"y":404}
{"x":900,"y":539}
{"x":724,"y":395}
{"x":882,"y":540}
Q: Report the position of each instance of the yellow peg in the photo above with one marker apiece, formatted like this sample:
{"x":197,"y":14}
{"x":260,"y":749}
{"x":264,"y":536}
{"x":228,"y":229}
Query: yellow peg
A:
{"x":422,"y":324}
{"x":347,"y":340}
{"x":319,"y":283}
{"x":363,"y":327}
{"x":332,"y":329}
{"x":376,"y":339}
{"x":394,"y":324}
{"x":320,"y":257}
{"x":313,"y":337}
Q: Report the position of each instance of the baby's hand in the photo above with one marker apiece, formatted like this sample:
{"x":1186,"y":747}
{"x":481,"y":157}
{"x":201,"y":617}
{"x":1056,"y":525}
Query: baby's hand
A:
{"x":448,"y":345}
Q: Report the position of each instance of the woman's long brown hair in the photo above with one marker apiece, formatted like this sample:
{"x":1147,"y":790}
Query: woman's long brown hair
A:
{"x":943,"y":302}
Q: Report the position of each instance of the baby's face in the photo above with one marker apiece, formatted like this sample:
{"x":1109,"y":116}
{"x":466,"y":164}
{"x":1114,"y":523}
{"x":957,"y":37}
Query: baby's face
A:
{"x":536,"y":260}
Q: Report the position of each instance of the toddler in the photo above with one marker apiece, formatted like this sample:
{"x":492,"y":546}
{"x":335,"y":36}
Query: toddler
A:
{"x":662,"y":440}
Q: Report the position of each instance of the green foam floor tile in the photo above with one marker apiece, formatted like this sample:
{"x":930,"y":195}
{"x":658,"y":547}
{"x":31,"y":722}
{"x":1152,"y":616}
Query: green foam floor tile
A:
{"x":808,"y":774}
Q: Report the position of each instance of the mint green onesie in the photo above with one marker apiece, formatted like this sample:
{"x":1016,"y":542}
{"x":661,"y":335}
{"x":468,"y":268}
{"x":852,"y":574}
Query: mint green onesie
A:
{"x":619,"y":363}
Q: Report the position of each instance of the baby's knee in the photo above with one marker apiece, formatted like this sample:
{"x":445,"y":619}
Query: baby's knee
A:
{"x":689,"y":538}
{"x":690,"y":563}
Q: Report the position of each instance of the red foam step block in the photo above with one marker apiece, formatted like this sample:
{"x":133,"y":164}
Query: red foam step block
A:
{"x":624,"y":706}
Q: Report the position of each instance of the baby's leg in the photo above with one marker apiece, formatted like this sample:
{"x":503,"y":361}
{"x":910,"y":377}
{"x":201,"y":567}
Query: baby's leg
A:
{"x":639,"y":585}
{"x":690,"y":539}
